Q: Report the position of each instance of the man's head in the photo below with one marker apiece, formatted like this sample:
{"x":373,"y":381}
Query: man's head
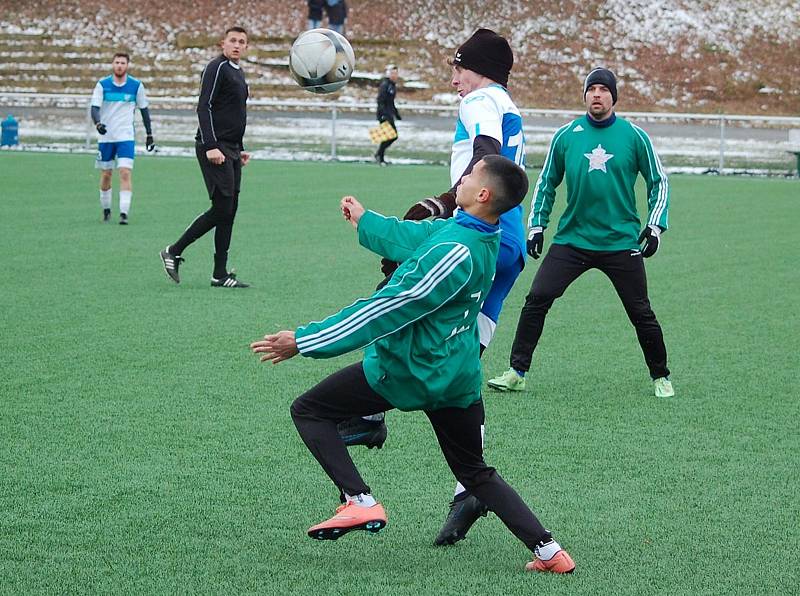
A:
{"x":392,"y":72}
{"x":495,"y":185}
{"x":119,"y":64}
{"x":600,"y":93}
{"x":234,"y":43}
{"x":483,"y":59}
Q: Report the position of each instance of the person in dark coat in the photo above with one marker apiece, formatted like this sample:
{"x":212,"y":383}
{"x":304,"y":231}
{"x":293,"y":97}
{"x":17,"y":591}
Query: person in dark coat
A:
{"x":387,"y":111}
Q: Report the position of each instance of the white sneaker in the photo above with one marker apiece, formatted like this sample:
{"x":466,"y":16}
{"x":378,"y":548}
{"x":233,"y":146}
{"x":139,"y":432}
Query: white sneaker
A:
{"x":663,"y":387}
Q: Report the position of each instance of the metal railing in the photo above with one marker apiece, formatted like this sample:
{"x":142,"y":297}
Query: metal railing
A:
{"x":336,"y":108}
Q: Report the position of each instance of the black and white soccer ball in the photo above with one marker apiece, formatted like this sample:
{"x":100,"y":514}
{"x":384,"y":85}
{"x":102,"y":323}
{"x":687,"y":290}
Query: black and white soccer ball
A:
{"x":321,"y":61}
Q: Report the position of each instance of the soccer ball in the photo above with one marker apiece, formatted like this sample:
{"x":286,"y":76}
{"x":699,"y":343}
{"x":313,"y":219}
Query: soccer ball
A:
{"x":321,"y":61}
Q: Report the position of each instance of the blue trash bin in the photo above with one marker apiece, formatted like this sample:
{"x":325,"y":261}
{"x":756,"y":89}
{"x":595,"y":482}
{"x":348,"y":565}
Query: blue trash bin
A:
{"x":9,"y":135}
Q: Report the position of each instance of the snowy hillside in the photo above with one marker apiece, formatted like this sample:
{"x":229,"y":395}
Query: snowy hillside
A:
{"x":671,"y":55}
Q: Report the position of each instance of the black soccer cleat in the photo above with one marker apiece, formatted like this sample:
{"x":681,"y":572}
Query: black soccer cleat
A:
{"x":123,"y":219}
{"x":358,"y":431}
{"x":229,"y":281}
{"x":171,"y":264}
{"x":106,"y":215}
{"x":463,"y":513}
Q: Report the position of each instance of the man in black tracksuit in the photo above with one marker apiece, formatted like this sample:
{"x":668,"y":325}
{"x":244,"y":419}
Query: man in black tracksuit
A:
{"x":222,"y":114}
{"x":387,"y":111}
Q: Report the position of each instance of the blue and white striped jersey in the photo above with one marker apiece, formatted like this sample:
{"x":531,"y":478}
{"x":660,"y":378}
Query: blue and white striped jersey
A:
{"x":491,"y":112}
{"x":117,"y":105}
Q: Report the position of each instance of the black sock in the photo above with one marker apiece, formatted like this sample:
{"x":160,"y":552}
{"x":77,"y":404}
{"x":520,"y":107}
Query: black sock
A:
{"x":461,"y":496}
{"x":220,"y":265}
{"x":547,"y":538}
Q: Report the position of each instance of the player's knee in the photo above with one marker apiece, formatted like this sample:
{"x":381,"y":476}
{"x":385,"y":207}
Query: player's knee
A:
{"x":220,"y":214}
{"x":297,"y":409}
{"x":540,"y":298}
{"x":222,"y":208}
{"x":643,"y":317}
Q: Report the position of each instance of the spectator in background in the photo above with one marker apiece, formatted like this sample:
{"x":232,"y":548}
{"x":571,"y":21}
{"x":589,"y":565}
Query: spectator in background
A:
{"x":315,"y":13}
{"x":336,"y":10}
{"x":387,"y":111}
{"x":337,"y":15}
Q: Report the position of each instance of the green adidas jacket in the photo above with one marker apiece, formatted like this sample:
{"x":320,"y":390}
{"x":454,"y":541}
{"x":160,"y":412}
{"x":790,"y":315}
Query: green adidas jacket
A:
{"x":600,"y":166}
{"x":420,"y":330}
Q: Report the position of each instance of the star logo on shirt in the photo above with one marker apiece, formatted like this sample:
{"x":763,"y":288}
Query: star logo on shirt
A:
{"x":598,"y":158}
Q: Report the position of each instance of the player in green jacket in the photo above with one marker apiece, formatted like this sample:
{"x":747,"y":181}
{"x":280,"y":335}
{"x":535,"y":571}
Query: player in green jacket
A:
{"x":600,"y":155}
{"x":422,"y":353}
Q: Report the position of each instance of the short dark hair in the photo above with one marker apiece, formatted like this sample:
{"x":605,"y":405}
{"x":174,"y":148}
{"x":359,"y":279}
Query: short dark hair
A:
{"x":121,"y":55}
{"x":236,"y":30}
{"x":508,"y":182}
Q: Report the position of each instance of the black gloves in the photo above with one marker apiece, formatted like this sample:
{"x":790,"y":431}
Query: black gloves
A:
{"x":101,"y":128}
{"x":535,"y":241}
{"x":388,"y":267}
{"x":149,"y":143}
{"x":441,"y":205}
{"x":430,"y":207}
{"x":649,"y":240}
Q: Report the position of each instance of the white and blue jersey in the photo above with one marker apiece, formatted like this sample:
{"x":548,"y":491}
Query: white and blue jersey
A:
{"x":491,"y":112}
{"x":117,"y":105}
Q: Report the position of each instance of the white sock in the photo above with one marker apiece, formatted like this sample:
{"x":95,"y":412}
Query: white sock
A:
{"x":548,"y":551}
{"x":362,"y":500}
{"x":460,"y":487}
{"x":374,"y":417}
{"x":125,"y":201}
{"x":105,"y":199}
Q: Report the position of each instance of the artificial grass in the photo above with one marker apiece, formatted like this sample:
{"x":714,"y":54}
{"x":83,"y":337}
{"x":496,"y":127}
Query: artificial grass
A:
{"x":146,"y":450}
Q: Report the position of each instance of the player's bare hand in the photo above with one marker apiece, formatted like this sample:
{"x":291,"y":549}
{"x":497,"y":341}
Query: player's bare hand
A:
{"x":215,"y":156}
{"x":245,"y":158}
{"x":277,"y":347}
{"x":352,"y":210}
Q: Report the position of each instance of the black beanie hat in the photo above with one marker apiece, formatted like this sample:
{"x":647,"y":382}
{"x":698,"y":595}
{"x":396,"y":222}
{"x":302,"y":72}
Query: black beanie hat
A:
{"x":601,"y":76}
{"x":488,"y":54}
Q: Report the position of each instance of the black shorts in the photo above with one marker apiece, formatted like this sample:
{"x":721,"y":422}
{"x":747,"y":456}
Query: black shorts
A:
{"x":225,"y":180}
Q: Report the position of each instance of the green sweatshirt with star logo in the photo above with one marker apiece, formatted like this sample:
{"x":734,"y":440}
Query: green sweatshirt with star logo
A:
{"x":600,"y":165}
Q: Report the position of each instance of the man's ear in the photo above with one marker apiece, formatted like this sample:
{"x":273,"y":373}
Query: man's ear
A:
{"x":484,"y":195}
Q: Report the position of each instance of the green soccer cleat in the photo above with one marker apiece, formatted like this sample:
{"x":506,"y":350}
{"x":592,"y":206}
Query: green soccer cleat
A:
{"x":663,"y":387}
{"x":508,"y":381}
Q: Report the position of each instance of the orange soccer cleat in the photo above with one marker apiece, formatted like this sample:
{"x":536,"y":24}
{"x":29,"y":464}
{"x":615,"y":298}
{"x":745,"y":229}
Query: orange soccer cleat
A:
{"x":349,"y":517}
{"x":561,"y":562}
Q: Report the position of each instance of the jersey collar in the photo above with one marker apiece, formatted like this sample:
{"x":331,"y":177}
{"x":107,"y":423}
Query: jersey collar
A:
{"x":470,"y":221}
{"x":602,"y":123}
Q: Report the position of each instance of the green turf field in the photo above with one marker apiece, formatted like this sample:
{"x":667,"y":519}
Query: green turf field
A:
{"x":143,"y":449}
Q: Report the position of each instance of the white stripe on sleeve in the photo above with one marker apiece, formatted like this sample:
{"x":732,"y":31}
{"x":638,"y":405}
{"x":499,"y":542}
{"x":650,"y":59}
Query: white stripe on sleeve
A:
{"x":386,"y":304}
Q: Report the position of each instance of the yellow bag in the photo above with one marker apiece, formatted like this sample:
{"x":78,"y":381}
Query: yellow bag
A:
{"x":383,"y":132}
